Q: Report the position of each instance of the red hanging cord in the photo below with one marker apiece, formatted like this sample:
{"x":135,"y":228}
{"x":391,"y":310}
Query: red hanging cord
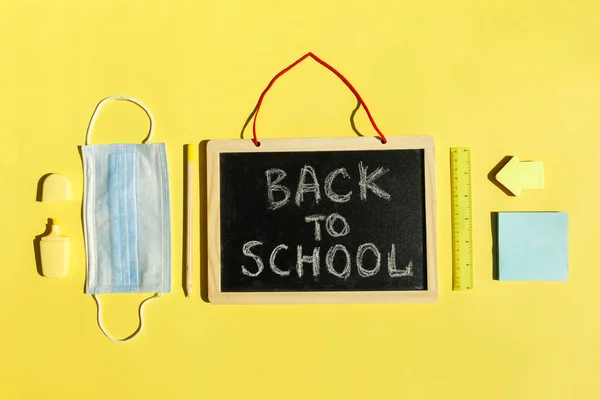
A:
{"x":329,"y":67}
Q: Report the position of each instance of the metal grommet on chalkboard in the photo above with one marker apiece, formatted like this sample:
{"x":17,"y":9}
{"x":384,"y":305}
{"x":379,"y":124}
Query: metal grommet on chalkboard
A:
{"x":329,"y":67}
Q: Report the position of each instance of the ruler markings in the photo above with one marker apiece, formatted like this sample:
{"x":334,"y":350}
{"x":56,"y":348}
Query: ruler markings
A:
{"x":462,"y":224}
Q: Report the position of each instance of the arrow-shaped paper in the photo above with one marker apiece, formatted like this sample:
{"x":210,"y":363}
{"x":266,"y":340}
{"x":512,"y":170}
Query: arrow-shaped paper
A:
{"x":516,"y":175}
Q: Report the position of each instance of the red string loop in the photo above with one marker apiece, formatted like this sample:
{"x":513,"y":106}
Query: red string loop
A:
{"x":329,"y":67}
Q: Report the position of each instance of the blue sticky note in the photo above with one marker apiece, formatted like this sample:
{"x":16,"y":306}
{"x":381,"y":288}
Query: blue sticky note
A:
{"x":533,"y":246}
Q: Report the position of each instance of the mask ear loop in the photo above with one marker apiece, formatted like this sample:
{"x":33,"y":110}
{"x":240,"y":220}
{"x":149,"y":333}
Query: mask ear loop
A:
{"x":123,"y":98}
{"x":140,"y":316}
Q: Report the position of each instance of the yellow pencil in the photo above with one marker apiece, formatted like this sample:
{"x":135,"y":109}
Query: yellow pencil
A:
{"x":189,"y":259}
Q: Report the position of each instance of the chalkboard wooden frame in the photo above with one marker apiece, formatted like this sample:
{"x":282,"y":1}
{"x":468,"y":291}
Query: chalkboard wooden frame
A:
{"x":217,"y":147}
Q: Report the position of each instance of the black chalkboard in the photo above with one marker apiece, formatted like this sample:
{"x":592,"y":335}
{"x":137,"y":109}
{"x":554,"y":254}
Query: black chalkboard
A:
{"x":323,"y":221}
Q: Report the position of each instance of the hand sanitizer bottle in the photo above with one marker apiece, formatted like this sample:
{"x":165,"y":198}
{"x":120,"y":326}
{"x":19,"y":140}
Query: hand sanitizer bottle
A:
{"x":54,"y":251}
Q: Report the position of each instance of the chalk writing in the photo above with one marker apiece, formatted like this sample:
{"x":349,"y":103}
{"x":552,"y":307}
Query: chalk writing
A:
{"x":272,"y":261}
{"x":338,"y":198}
{"x":339,"y":259}
{"x":330,"y":225}
{"x":301,"y":259}
{"x":316,"y":219}
{"x":362,"y":249}
{"x":396,"y":273}
{"x":331,"y":256}
{"x":307,"y":187}
{"x":246,"y":251}
{"x":367,"y":182}
{"x":273,"y":186}
{"x":308,"y":182}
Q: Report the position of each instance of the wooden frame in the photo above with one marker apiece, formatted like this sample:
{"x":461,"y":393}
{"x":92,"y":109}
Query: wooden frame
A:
{"x":216,"y":147}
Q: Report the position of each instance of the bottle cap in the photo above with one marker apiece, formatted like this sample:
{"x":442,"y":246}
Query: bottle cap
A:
{"x":56,"y":187}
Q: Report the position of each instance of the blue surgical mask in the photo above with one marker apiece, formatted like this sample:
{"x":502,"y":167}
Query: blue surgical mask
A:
{"x":127,"y":218}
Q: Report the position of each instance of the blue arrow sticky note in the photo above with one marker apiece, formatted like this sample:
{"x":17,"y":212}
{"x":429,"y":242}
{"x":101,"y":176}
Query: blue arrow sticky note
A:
{"x":533,"y":246}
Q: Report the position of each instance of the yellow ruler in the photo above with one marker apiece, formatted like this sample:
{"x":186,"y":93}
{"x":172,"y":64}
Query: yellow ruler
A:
{"x":462,"y":227}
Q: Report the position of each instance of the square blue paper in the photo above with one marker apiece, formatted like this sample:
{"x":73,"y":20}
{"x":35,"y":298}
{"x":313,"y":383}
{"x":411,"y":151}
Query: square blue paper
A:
{"x":533,"y":246}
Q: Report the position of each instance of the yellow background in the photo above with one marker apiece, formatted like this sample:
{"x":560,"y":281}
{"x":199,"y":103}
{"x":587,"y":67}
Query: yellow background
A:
{"x":506,"y":77}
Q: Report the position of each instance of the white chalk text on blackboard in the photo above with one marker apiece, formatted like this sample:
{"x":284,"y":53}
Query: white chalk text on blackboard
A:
{"x":335,"y":225}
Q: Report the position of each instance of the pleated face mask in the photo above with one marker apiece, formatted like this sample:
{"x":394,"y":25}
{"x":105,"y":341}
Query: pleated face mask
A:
{"x":127,"y":218}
